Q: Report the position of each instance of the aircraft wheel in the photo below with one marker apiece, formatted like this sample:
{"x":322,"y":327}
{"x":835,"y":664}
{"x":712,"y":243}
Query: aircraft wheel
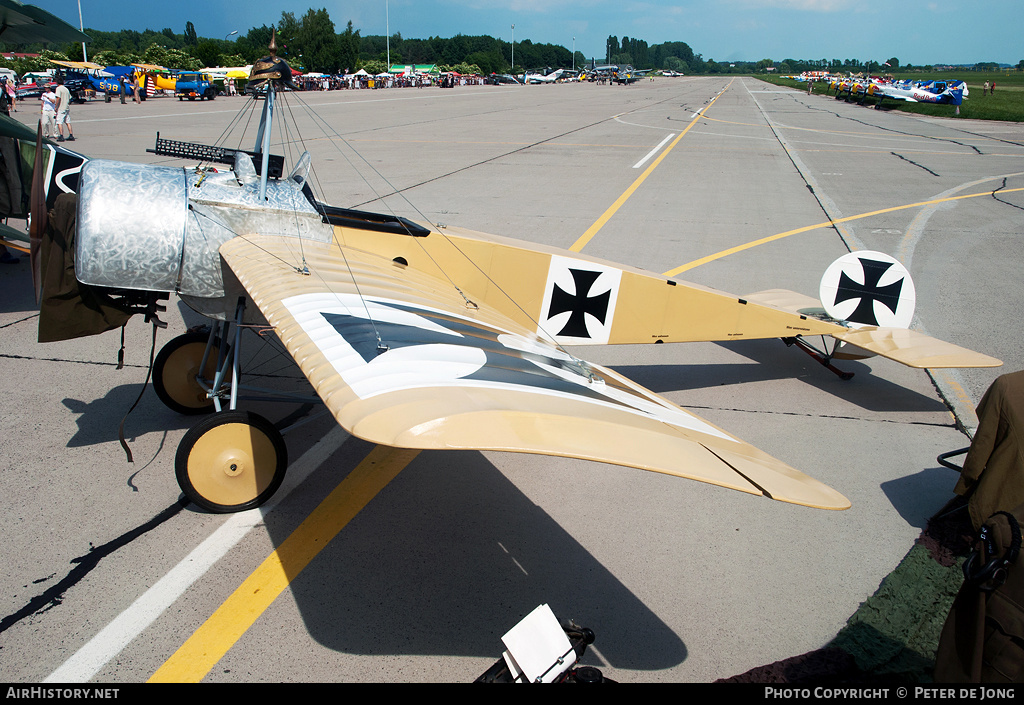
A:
{"x":231,"y":462}
{"x":176,"y":368}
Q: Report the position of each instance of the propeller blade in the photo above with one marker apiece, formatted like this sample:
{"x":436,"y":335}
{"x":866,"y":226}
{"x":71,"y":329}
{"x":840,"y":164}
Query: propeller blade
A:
{"x":37,"y":211}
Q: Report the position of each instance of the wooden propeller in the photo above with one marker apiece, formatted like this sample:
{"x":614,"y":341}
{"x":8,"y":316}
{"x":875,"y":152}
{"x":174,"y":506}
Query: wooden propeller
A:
{"x":37,"y":214}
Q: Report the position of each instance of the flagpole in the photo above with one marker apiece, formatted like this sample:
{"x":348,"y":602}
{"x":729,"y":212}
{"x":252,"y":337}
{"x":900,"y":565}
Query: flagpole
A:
{"x":85,"y":57}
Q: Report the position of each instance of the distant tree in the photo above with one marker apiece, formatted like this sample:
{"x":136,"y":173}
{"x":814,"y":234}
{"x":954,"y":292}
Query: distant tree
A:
{"x":287,"y":36}
{"x":659,"y":53}
{"x":254,"y":44}
{"x":466,"y":68}
{"x":171,"y":58}
{"x":191,"y":39}
{"x":116,"y":57}
{"x":674,"y":63}
{"x":420,"y":51}
{"x":319,"y":43}
{"x":611,"y":48}
{"x":894,"y":63}
{"x":487,"y":61}
{"x":348,"y":48}
{"x":207,"y":52}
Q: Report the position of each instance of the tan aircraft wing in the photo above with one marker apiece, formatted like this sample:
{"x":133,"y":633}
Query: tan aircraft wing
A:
{"x":400,"y":358}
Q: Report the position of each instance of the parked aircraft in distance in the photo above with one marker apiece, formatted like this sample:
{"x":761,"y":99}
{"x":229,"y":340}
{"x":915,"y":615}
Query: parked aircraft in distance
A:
{"x":946,"y":92}
{"x":542,"y":77}
{"x":943,"y":92}
{"x":496,"y":79}
{"x":627,"y":74}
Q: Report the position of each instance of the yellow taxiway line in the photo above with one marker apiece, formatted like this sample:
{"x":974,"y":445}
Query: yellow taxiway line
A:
{"x":772,"y":238}
{"x":613,"y":208}
{"x":201,"y":652}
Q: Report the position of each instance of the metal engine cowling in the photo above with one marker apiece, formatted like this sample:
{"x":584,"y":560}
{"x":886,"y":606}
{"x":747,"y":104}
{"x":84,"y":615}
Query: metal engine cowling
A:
{"x":131,"y":225}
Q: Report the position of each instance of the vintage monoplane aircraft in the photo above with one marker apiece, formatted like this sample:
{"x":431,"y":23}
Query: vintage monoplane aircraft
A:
{"x":538,"y":77}
{"x":426,"y":337}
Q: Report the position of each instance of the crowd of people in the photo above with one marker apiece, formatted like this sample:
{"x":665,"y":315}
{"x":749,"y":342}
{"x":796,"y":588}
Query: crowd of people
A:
{"x":362,"y":80}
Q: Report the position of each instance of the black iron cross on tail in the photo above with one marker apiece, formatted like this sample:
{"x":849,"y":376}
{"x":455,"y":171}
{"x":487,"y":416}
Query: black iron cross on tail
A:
{"x":579,"y":304}
{"x":869,"y":292}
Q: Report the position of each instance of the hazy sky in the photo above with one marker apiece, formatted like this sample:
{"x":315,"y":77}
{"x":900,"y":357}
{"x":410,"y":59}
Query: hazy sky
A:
{"x":914,"y":31}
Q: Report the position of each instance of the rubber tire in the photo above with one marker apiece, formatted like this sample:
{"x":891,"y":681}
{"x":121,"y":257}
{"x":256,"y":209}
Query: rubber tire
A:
{"x":231,"y":462}
{"x":174,"y":371}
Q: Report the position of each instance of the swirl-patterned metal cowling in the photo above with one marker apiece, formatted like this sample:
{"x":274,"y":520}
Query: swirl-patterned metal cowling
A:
{"x":158,"y":228}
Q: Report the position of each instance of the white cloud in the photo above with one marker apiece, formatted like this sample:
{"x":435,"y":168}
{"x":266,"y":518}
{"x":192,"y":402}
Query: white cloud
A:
{"x":807,"y":5}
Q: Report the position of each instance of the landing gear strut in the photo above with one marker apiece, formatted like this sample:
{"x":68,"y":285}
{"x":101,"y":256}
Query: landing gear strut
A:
{"x":233,"y":460}
{"x":824,"y":358}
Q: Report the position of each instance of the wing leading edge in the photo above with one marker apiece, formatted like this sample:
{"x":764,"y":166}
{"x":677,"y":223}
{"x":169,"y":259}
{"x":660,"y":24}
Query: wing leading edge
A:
{"x":403,"y":360}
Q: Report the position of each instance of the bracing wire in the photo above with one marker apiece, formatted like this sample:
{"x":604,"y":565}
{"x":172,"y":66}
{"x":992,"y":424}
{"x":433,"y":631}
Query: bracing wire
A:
{"x":330,"y":132}
{"x":288,"y":139}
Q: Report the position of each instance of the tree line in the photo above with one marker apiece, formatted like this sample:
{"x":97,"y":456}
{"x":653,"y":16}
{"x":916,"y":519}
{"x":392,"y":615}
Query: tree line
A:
{"x":312,"y":42}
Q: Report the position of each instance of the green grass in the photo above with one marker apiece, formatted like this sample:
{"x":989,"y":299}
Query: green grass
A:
{"x":1006,"y":103}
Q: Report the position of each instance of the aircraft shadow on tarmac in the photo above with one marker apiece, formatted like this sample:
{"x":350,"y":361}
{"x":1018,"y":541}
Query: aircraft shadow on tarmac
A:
{"x":450,"y":556}
{"x":916,"y":496}
{"x":98,"y":419}
{"x":16,"y":285}
{"x":777,"y":362}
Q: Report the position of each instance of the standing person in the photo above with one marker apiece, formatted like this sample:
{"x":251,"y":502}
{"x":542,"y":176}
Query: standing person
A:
{"x":984,"y":89}
{"x":12,"y":95}
{"x":48,"y":102}
{"x":5,"y":99}
{"x":134,"y":86}
{"x":63,"y":110}
{"x":120,"y":87}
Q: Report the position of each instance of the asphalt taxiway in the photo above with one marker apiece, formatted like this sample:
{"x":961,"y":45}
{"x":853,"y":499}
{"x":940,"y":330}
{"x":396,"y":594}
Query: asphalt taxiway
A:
{"x":377,"y":565}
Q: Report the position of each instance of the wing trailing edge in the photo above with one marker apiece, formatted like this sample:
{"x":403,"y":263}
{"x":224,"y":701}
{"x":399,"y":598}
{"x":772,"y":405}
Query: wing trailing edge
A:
{"x":903,"y":345}
{"x":913,"y":348}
